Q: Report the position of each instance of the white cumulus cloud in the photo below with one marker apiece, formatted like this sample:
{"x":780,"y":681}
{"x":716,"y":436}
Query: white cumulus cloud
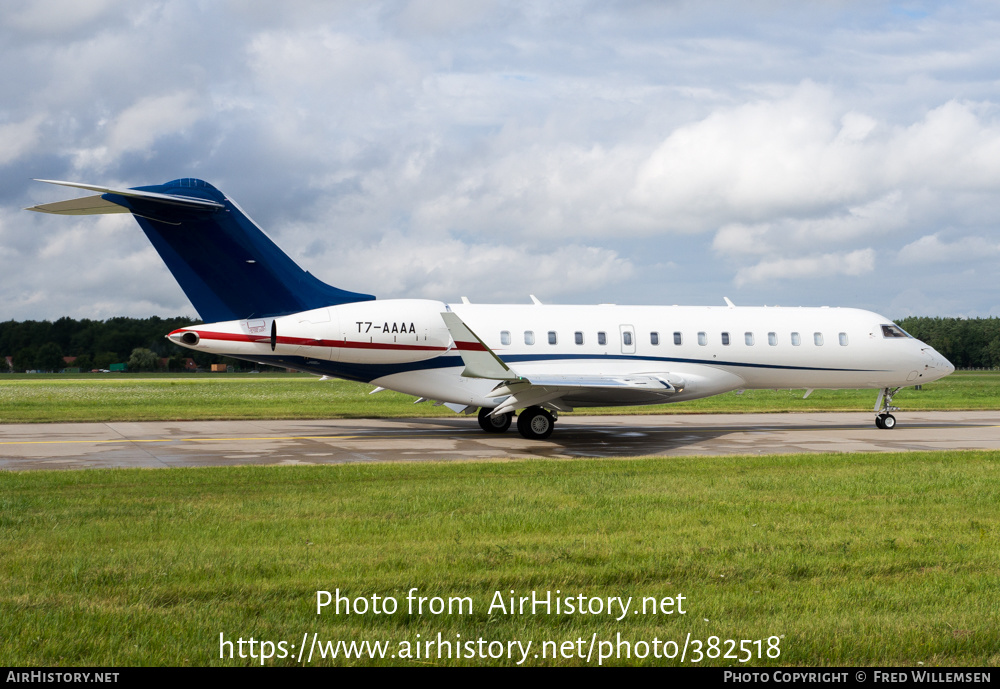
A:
{"x":852,"y":264}
{"x":930,"y":249}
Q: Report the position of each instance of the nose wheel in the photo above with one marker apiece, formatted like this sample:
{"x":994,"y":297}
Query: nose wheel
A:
{"x":883,"y":406}
{"x":885,"y":421}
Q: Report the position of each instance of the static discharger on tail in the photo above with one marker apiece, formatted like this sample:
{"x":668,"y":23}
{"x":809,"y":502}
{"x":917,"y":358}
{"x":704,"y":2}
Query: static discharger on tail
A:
{"x":535,"y":360}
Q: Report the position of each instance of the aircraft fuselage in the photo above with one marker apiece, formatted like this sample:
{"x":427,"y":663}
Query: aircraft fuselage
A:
{"x":404,"y":345}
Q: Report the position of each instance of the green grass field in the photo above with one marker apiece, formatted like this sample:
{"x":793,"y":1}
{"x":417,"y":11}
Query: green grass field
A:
{"x":130,"y":397}
{"x":860,"y":559}
{"x":854,"y":559}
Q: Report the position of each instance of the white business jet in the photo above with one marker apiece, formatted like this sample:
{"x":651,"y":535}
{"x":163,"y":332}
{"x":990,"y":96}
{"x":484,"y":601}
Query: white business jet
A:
{"x":536,"y":360}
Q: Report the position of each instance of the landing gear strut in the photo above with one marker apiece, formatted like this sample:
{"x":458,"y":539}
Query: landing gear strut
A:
{"x":883,"y":406}
{"x":494,"y":424}
{"x":535,"y":423}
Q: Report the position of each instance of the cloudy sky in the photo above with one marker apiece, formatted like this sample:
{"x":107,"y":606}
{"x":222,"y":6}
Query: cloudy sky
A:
{"x":836,"y":153}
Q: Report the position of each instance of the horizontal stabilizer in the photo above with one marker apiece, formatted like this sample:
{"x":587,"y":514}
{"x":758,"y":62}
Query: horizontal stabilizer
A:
{"x":88,"y":205}
{"x":96,"y":205}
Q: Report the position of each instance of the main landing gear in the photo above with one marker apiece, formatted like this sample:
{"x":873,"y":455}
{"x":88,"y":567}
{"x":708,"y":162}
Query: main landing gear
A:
{"x":494,"y":424}
{"x":534,"y":423}
{"x":883,"y":406}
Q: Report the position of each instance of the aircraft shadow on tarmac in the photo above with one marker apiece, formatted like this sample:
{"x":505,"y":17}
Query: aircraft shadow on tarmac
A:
{"x":612,"y":440}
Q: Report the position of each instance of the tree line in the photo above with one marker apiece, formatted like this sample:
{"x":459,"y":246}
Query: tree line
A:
{"x":140,"y":342}
{"x":965,"y":342}
{"x":41,"y":345}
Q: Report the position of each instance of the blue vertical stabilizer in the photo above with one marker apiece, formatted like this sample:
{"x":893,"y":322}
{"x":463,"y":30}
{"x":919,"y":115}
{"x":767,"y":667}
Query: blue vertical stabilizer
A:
{"x":225,"y":264}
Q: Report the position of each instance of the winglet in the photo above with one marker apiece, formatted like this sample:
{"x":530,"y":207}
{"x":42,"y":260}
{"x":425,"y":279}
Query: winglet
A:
{"x":480,"y":361}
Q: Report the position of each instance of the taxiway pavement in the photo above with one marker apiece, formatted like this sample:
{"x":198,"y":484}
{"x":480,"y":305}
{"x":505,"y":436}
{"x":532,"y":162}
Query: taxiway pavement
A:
{"x":220,"y":443}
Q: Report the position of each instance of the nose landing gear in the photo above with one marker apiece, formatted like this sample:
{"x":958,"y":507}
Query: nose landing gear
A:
{"x":883,"y":406}
{"x":885,"y":421}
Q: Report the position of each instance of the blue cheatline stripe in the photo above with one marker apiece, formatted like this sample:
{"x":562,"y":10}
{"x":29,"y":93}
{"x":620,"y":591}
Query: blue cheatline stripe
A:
{"x":677,"y":360}
{"x":368,"y":372}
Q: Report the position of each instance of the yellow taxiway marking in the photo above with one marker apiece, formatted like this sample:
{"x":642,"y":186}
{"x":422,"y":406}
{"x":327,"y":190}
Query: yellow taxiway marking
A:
{"x":176,"y":440}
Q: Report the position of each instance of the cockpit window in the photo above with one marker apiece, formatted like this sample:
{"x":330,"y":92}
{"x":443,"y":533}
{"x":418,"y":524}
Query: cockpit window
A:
{"x":893,"y":330}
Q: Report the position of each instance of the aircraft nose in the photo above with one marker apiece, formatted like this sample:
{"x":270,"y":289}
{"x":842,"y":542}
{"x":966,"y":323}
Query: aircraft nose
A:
{"x":941,"y":366}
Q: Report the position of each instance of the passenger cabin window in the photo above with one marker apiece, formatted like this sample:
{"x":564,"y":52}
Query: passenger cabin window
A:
{"x":772,"y":339}
{"x":748,"y":338}
{"x":796,"y":340}
{"x":654,"y":338}
{"x":602,"y":338}
{"x":552,"y":337}
{"x":893,"y":330}
{"x":578,"y":337}
{"x":677,"y":338}
{"x":529,"y":337}
{"x":818,"y":339}
{"x":627,"y":339}
{"x":505,"y":337}
{"x":843,"y":339}
{"x":725,"y":339}
{"x":702,"y":339}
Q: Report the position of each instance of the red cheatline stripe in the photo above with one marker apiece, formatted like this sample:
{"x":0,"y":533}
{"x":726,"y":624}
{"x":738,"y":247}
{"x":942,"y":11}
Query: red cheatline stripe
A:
{"x":378,"y":345}
{"x":309,"y":342}
{"x":471,"y":346}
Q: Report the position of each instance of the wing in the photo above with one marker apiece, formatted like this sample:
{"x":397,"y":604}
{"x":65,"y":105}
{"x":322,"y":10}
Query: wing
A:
{"x":559,"y":391}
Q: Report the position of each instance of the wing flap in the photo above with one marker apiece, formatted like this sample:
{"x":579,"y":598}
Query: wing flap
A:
{"x":560,"y":391}
{"x":651,"y":382}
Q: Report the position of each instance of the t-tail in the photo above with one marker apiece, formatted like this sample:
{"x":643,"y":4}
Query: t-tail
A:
{"x":225,"y":264}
